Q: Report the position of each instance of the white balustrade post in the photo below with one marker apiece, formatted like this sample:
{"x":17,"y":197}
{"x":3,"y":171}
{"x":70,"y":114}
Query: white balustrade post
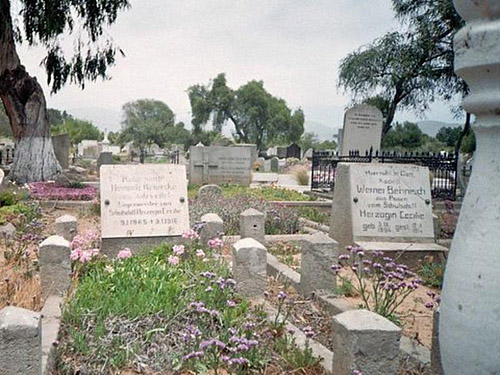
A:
{"x":469,"y":326}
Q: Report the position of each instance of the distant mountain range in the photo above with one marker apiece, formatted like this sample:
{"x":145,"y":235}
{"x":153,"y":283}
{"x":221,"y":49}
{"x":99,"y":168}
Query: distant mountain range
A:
{"x":111,"y":120}
{"x":432,"y":127}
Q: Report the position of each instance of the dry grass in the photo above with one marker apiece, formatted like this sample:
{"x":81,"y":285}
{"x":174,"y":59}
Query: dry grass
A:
{"x":301,"y":174}
{"x":19,"y":283}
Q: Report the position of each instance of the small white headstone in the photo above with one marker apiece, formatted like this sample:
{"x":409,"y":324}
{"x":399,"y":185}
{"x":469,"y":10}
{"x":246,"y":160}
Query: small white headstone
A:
{"x":362,"y":130}
{"x":143,"y":200}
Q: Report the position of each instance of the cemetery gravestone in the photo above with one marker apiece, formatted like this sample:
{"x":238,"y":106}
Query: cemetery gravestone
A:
{"x":281,"y":152}
{"x":61,"y":144}
{"x":261,"y":162}
{"x":293,"y":151}
{"x":88,"y":149}
{"x":218,"y":164}
{"x":362,"y":130}
{"x":105,"y":158}
{"x":142,"y":204}
{"x":380,"y":206}
{"x":275,"y":164}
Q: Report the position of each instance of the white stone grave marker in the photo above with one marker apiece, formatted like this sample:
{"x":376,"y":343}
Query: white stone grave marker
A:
{"x":143,"y":200}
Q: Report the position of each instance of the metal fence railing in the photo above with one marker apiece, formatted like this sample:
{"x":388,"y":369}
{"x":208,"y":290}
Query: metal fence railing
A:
{"x":443,"y":168}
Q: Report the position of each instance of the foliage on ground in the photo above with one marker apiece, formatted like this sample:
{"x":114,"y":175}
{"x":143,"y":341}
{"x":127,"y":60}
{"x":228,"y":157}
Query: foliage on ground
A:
{"x":269,"y":193}
{"x":287,"y":253}
{"x":314,"y":214}
{"x":173,"y":309}
{"x":279,"y":219}
{"x":56,"y":191}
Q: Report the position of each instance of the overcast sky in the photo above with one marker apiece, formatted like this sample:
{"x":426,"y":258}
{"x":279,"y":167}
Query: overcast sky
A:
{"x":294,"y":46}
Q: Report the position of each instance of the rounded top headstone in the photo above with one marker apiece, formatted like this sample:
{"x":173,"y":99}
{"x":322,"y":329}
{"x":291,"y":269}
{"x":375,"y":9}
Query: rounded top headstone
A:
{"x":55,"y":241}
{"x":213,"y":218}
{"x":248,"y":243}
{"x":12,"y":316}
{"x":251,"y":212}
{"x":211,"y":190}
{"x":65,"y":219}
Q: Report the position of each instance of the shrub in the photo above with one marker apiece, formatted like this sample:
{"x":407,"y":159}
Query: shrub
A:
{"x":382,"y":284}
{"x":314,"y":214}
{"x":8,"y":198}
{"x":432,"y":273}
{"x":301,"y":174}
{"x":19,"y":213}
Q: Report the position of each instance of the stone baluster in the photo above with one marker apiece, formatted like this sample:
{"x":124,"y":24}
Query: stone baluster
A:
{"x":469,"y":326}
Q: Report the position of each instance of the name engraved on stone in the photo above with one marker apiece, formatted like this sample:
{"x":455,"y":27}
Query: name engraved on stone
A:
{"x":143,"y":200}
{"x":390,"y":201}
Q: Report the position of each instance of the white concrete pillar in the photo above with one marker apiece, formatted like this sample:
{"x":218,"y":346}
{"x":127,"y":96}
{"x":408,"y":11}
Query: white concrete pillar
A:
{"x":469,"y":326}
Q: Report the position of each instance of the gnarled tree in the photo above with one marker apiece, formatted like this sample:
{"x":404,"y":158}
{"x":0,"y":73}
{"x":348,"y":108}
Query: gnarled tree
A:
{"x":44,"y":23}
{"x":408,"y":69}
{"x":257,"y":116}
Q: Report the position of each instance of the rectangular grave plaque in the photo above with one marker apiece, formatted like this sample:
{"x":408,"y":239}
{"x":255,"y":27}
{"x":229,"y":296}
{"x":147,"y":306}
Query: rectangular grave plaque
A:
{"x":218,"y":164}
{"x":390,"y":202}
{"x":143,"y":200}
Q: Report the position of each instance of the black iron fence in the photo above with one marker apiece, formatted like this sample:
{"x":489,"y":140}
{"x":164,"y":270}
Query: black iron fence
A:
{"x":173,"y":157}
{"x":443,"y":168}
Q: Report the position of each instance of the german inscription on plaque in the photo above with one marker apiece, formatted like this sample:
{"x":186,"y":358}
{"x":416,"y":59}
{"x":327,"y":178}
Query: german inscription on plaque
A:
{"x":143,"y":200}
{"x":391,"y":200}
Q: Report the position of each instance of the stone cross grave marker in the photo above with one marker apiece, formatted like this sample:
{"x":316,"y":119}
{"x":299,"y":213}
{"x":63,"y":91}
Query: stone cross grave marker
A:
{"x":362,"y":130}
{"x":143,"y":200}
{"x":382,"y":202}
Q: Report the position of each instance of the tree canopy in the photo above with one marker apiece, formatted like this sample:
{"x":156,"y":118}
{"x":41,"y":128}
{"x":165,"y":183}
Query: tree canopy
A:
{"x":46,"y":23}
{"x":148,"y":121}
{"x":78,"y":130}
{"x":407,"y":69}
{"x":257,"y":116}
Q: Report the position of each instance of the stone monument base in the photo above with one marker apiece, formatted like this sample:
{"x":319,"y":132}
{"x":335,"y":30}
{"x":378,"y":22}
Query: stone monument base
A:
{"x":409,"y":253}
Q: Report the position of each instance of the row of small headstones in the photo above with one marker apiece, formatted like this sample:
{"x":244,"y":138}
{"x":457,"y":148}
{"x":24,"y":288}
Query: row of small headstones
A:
{"x":21,"y":329}
{"x":362,"y":341}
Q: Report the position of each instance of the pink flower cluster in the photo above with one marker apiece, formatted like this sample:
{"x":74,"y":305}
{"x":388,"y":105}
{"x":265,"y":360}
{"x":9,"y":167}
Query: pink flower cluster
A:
{"x":191,"y":234}
{"x":85,"y":247}
{"x":124,"y":253}
{"x":53,"y":190}
{"x":215,"y":243}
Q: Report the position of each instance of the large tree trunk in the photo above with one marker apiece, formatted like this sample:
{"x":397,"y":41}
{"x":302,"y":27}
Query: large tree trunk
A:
{"x":22,"y":96}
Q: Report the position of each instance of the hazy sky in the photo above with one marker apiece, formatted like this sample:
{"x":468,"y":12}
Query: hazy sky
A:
{"x":294,"y":46}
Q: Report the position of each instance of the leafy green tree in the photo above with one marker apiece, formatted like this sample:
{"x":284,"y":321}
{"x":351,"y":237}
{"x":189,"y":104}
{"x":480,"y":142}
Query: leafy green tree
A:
{"x":56,"y":117}
{"x":449,"y":136}
{"x":257,"y":116}
{"x":408,"y":69}
{"x":114,"y":138}
{"x":148,"y":121}
{"x":404,"y":137}
{"x":47,"y":23}
{"x":469,"y":143}
{"x":326,"y":145}
{"x":310,"y":140}
{"x":78,"y":130}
